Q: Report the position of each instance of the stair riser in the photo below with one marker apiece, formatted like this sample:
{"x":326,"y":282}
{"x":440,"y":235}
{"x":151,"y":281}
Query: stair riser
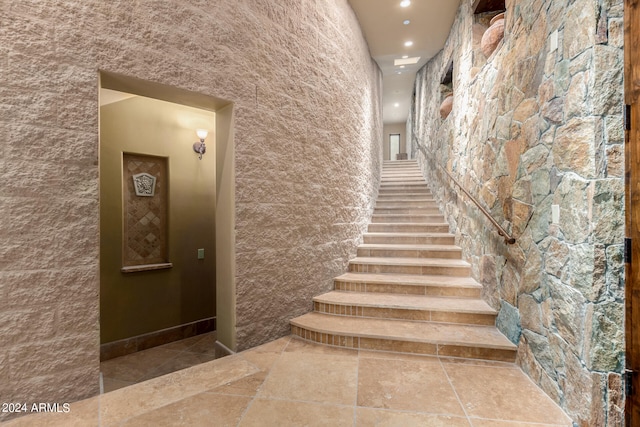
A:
{"x":406,"y":211}
{"x":409,"y":269}
{"x":393,"y":288}
{"x":402,"y":180}
{"x":403,"y":193}
{"x":410,"y":240}
{"x":424,"y":348}
{"x":417,"y":184}
{"x":406,"y":228}
{"x":401,"y":253}
{"x":416,"y":219}
{"x":405,"y":314}
{"x":428,"y":203}
{"x":400,"y":198}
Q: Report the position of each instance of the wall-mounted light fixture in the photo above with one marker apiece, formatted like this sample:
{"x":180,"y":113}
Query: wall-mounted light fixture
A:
{"x":199,"y":147}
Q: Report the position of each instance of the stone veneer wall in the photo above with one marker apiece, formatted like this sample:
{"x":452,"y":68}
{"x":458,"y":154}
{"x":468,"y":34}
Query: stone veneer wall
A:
{"x":307,"y":122}
{"x":532,"y":128}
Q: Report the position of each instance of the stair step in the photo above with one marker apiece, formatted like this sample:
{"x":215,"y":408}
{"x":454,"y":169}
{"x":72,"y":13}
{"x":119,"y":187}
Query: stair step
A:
{"x":406,"y":307}
{"x":405,"y":204}
{"x":403,"y":179}
{"x":442,"y":339}
{"x":404,"y":191}
{"x":430,"y":218}
{"x":405,"y":197}
{"x":396,"y":210}
{"x":434,"y":285}
{"x":432,"y":266}
{"x":399,"y":162}
{"x":401,"y":172}
{"x":417,"y":183}
{"x":409,"y":251}
{"x":410,"y":238}
{"x":410,"y":227}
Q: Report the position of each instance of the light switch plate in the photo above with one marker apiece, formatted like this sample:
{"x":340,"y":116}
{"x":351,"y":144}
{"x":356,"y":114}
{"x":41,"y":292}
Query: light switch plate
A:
{"x":200,"y":253}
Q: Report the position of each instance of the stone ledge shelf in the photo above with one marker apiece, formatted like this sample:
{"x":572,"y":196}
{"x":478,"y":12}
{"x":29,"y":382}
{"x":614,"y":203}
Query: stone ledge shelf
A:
{"x":146,"y":267}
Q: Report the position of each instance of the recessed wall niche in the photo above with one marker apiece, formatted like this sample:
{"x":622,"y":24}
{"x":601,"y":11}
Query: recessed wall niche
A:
{"x":484,"y":12}
{"x":144,"y":190}
{"x":446,"y":91}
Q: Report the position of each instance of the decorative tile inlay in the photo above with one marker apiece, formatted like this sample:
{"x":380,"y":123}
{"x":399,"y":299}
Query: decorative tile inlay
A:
{"x":144,"y":184}
{"x":145,"y":218}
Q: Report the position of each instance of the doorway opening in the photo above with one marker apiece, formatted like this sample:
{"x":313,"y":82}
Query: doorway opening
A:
{"x":162,"y":203}
{"x":394,"y":146}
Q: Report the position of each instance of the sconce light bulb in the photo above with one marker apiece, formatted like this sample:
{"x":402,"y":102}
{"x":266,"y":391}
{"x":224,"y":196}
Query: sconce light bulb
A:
{"x":202,"y":134}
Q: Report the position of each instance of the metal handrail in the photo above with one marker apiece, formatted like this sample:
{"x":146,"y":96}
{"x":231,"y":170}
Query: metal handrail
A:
{"x":501,"y":231}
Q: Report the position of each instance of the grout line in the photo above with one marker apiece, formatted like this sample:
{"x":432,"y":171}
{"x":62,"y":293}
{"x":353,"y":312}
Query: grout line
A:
{"x":455,"y":392}
{"x":255,"y":396}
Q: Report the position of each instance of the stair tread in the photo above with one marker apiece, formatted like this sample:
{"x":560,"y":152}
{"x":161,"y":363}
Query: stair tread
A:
{"x":399,"y":215}
{"x":411,"y":224}
{"x":396,"y":204}
{"x":410,"y":279}
{"x":407,"y":302}
{"x":403,"y":330}
{"x":418,"y":247}
{"x":405,"y":197}
{"x":407,"y":233}
{"x":410,"y":261}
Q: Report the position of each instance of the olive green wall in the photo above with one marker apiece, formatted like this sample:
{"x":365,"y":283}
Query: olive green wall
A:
{"x":137,"y":303}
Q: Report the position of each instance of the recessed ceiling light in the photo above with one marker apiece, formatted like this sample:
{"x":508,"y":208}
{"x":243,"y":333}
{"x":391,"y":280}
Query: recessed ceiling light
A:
{"x":396,"y":105}
{"x":398,"y":72}
{"x":402,"y":66}
{"x":409,"y":43}
{"x":405,"y":3}
{"x":406,"y":22}
{"x":405,"y":56}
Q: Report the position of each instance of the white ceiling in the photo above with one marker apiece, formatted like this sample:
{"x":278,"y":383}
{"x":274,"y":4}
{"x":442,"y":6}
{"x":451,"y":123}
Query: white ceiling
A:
{"x":382,"y":25}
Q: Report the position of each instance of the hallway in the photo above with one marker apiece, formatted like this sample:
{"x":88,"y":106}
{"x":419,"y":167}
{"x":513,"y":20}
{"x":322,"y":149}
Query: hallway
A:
{"x":290,"y":382}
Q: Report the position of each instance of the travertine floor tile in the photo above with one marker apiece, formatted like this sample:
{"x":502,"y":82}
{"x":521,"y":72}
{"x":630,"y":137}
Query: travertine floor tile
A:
{"x":136,"y":366}
{"x":407,"y":385}
{"x":264,"y":356}
{"x":266,"y":412}
{"x":82,"y":414}
{"x":290,"y":382}
{"x":203,"y":343}
{"x":111,"y":384}
{"x":475,"y":422}
{"x":366,"y":417}
{"x":204,"y":409}
{"x":497,"y":393}
{"x":247,"y":386}
{"x":181,"y":361}
{"x":143,"y":397}
{"x":313,"y":377}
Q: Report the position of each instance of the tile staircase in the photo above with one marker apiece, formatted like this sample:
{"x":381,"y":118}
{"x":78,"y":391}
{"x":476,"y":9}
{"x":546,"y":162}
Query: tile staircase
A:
{"x":408,"y":290}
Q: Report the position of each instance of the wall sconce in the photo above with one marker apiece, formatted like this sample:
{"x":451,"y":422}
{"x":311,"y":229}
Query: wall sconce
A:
{"x":199,"y":147}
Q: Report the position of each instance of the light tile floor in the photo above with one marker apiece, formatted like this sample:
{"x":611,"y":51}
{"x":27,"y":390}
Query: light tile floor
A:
{"x":154,"y":362}
{"x":289,"y":382}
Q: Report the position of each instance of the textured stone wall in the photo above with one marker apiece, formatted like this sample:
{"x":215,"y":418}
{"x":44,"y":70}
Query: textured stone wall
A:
{"x":308,"y":131}
{"x":533,"y":127}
